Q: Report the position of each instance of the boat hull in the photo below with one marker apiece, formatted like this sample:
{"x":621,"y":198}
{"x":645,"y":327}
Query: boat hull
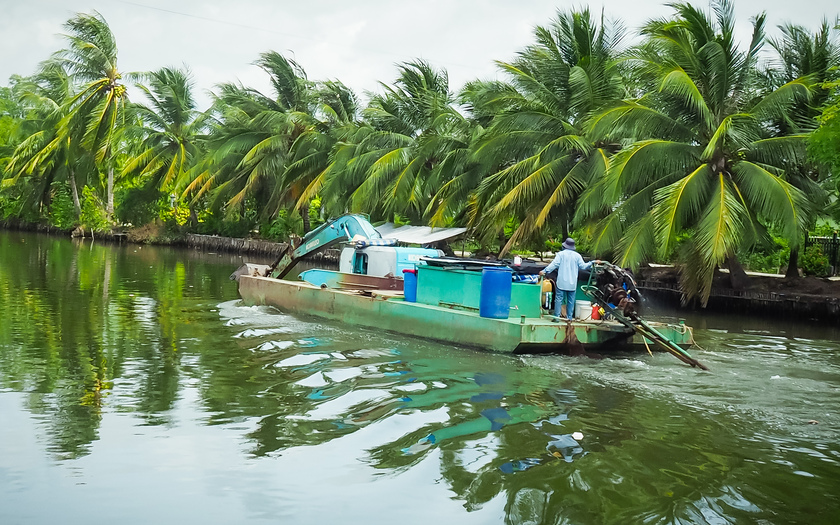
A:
{"x":388,"y":311}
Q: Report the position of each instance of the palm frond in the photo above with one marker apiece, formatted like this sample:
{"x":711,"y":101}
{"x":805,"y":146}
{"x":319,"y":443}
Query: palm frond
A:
{"x":773,"y":198}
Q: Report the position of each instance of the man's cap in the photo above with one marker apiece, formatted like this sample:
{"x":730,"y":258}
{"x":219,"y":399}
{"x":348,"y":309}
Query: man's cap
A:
{"x":569,"y":243}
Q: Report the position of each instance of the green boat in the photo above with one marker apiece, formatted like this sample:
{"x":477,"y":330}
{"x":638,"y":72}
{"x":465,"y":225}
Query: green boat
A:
{"x":443,"y":300}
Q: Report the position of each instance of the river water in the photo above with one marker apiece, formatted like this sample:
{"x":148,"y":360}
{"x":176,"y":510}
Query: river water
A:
{"x":135,"y":388}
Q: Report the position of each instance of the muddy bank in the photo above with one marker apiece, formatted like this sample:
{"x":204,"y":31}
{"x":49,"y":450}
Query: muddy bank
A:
{"x":806,"y":298}
{"x":214,"y":243}
{"x":12,"y":224}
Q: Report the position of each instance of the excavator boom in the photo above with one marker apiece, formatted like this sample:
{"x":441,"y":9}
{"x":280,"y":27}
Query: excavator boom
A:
{"x":344,"y":228}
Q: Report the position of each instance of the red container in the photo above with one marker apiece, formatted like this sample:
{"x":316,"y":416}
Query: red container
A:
{"x":596,"y":312}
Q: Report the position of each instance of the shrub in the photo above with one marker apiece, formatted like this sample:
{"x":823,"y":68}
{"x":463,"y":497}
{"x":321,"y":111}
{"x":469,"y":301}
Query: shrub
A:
{"x":234,"y":228}
{"x":768,"y":257}
{"x":138,"y":206}
{"x":62,"y":212}
{"x":315,"y":213}
{"x":10,"y":204}
{"x":173,"y":216}
{"x":282,"y":226}
{"x":815,"y":262}
{"x":93,"y":213}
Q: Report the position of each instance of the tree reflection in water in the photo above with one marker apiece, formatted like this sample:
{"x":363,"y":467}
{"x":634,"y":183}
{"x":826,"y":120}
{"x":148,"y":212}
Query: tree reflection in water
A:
{"x":91,"y":332}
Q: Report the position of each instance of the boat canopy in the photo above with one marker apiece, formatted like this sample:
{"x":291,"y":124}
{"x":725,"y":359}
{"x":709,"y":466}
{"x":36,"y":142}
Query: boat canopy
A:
{"x":417,"y":234}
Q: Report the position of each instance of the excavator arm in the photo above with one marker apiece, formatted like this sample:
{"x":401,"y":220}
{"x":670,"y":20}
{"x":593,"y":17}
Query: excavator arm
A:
{"x":330,"y":233}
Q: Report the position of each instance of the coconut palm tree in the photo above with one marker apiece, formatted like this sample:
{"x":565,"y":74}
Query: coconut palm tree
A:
{"x":537,"y":150}
{"x":96,"y":111}
{"x":251,"y":143}
{"x":705,"y":161}
{"x":44,"y":155}
{"x":824,"y":145}
{"x":817,"y":57}
{"x":335,"y":118}
{"x":167,"y":134}
{"x":394,"y":162}
{"x":11,"y":115}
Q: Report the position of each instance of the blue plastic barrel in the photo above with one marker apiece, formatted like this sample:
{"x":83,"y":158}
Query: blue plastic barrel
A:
{"x":410,"y":285}
{"x":496,"y":284}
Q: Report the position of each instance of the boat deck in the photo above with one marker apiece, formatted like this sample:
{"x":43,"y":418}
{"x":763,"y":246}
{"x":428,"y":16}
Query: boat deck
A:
{"x":388,"y":311}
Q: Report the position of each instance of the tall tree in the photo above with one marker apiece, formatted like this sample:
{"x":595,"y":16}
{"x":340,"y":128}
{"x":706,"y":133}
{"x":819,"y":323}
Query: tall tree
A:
{"x":336,"y":121}
{"x":45,"y":155}
{"x":801,"y":54}
{"x":393,"y":163}
{"x":537,"y":144}
{"x":96,"y":112}
{"x":11,"y":114}
{"x":250,"y":146}
{"x":166,"y":136}
{"x":705,"y":159}
{"x":824,"y":145}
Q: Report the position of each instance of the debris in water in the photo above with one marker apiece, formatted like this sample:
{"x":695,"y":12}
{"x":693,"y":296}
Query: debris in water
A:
{"x":577,"y":436}
{"x":813,"y":422}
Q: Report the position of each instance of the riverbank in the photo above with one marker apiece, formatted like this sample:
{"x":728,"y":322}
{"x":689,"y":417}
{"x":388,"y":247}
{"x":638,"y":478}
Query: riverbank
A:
{"x":152,"y":234}
{"x":805,"y":298}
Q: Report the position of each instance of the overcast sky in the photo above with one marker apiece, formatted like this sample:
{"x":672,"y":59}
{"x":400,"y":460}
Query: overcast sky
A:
{"x":356,"y":41}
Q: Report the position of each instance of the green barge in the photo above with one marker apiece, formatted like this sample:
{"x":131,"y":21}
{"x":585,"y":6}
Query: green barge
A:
{"x":446,"y":310}
{"x":466,"y":302}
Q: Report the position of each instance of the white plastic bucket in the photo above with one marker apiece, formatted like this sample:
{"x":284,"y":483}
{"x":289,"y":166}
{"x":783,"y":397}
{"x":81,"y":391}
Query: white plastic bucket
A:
{"x":583,"y":310}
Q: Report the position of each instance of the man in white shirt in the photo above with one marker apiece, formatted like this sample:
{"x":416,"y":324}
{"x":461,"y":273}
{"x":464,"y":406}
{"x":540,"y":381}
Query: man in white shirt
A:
{"x":567,"y":262}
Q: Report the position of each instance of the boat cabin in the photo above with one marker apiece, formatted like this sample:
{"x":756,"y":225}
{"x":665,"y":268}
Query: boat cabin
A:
{"x":382,"y":261}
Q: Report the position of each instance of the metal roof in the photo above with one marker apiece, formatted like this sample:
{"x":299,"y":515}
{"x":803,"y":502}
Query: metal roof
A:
{"x":417,"y":234}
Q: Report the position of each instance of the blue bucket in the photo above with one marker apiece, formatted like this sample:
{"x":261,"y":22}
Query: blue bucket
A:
{"x":496,"y":285}
{"x":410,"y":285}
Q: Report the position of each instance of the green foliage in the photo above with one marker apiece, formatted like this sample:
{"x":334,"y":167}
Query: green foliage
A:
{"x":234,"y":228}
{"x":93,"y":212}
{"x":824,"y":144}
{"x":315,"y":212}
{"x":511,"y":224}
{"x":227,"y":224}
{"x":815,"y":262}
{"x":825,"y":229}
{"x":10,"y":203}
{"x":770,"y":259}
{"x":284,"y":225}
{"x":138,"y":205}
{"x":400,"y":220}
{"x":62,"y":211}
{"x":173,"y":217}
{"x":11,"y":115}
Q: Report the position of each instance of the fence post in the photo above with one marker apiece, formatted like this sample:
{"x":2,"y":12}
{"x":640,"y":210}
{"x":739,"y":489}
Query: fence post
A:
{"x":833,"y":258}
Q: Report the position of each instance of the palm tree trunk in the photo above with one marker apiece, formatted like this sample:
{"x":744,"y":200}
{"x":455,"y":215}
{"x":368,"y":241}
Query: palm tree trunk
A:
{"x":567,"y":219}
{"x":304,"y":214}
{"x":74,"y":191}
{"x":503,"y":240}
{"x":109,"y":209}
{"x":737,"y":276}
{"x":792,"y":271}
